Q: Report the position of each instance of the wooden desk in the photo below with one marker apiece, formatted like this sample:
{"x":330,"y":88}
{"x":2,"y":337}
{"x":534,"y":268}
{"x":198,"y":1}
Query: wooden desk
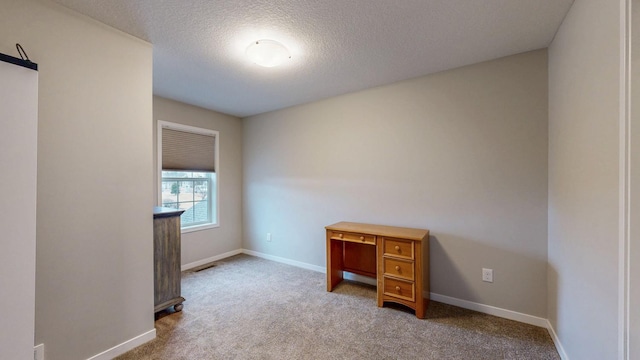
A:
{"x":395,"y":256}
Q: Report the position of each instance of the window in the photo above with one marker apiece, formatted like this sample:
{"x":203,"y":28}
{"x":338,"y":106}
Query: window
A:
{"x":187,"y":158}
{"x":191,"y":191}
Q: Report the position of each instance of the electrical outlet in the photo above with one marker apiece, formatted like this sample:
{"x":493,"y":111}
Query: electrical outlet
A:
{"x":268,"y":237}
{"x":487,"y":275}
{"x":38,"y":352}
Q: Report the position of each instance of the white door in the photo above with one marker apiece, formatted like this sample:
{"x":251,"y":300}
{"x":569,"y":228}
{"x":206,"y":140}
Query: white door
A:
{"x":18,"y":152}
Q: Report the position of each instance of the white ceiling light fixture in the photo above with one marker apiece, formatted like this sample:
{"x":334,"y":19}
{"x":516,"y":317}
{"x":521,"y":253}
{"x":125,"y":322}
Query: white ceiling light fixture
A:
{"x":267,"y":53}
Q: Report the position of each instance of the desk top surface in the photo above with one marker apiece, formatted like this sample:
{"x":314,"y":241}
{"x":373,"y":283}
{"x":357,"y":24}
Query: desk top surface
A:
{"x":381,"y":230}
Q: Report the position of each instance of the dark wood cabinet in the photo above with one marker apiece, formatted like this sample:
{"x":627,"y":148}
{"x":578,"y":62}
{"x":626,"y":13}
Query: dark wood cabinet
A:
{"x":166,"y":258}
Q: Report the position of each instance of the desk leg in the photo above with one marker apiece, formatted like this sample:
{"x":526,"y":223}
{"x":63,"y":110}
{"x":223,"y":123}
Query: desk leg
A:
{"x":421,"y":308}
{"x":334,"y":263}
{"x":380,"y":271}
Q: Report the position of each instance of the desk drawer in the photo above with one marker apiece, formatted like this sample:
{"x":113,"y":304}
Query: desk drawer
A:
{"x":398,"y":248}
{"x":398,"y":268}
{"x":399,"y":288}
{"x":353,"y":237}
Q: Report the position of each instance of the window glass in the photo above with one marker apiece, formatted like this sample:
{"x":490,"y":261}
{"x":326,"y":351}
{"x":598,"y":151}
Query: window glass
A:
{"x":193,"y":192}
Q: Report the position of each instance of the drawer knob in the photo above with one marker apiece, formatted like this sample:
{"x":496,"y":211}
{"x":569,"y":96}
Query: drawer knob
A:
{"x":362,"y":238}
{"x":339,"y":235}
{"x":397,"y":248}
{"x":398,"y":288}
{"x":397,"y":268}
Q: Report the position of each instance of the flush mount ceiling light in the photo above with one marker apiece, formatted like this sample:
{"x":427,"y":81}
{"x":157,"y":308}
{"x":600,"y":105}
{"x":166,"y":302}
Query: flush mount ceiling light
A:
{"x":267,"y":53}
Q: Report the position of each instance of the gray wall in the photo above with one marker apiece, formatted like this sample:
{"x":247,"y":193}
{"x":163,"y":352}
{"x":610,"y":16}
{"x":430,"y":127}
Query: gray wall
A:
{"x":94,"y":272}
{"x":584,"y":84}
{"x":227,"y":237}
{"x":462,"y":153}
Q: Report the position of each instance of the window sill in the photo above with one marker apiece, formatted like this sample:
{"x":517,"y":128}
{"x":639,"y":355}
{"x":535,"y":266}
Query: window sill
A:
{"x":199,"y":228}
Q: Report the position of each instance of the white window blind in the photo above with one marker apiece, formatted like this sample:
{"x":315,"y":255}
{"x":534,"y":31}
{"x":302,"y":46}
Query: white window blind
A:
{"x":187,"y":151}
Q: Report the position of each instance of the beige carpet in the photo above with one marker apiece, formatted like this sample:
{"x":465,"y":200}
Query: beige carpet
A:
{"x":251,"y":308}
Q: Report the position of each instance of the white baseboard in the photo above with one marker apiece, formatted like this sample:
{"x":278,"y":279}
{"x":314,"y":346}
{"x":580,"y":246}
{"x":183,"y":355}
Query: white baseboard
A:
{"x":556,"y":341}
{"x":507,"y":314}
{"x":210,"y":259}
{"x":151,"y":334}
{"x":321,"y":269}
{"x":38,"y":352}
{"x":359,"y":278}
{"x":491,"y":310}
{"x":285,"y":261}
{"x":486,"y":309}
{"x":125,"y":346}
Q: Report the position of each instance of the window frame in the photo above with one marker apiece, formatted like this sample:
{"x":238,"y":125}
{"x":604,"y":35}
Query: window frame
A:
{"x":214,"y":206}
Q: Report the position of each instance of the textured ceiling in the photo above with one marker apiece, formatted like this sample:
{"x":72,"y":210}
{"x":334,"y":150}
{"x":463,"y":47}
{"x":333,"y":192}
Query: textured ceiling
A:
{"x":337,"y":46}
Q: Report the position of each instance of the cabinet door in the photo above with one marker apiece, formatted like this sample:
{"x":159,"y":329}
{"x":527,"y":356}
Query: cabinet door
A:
{"x":166,"y":233}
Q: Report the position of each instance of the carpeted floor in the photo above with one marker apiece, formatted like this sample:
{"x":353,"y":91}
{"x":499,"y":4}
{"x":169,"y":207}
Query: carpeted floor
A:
{"x":251,"y":308}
